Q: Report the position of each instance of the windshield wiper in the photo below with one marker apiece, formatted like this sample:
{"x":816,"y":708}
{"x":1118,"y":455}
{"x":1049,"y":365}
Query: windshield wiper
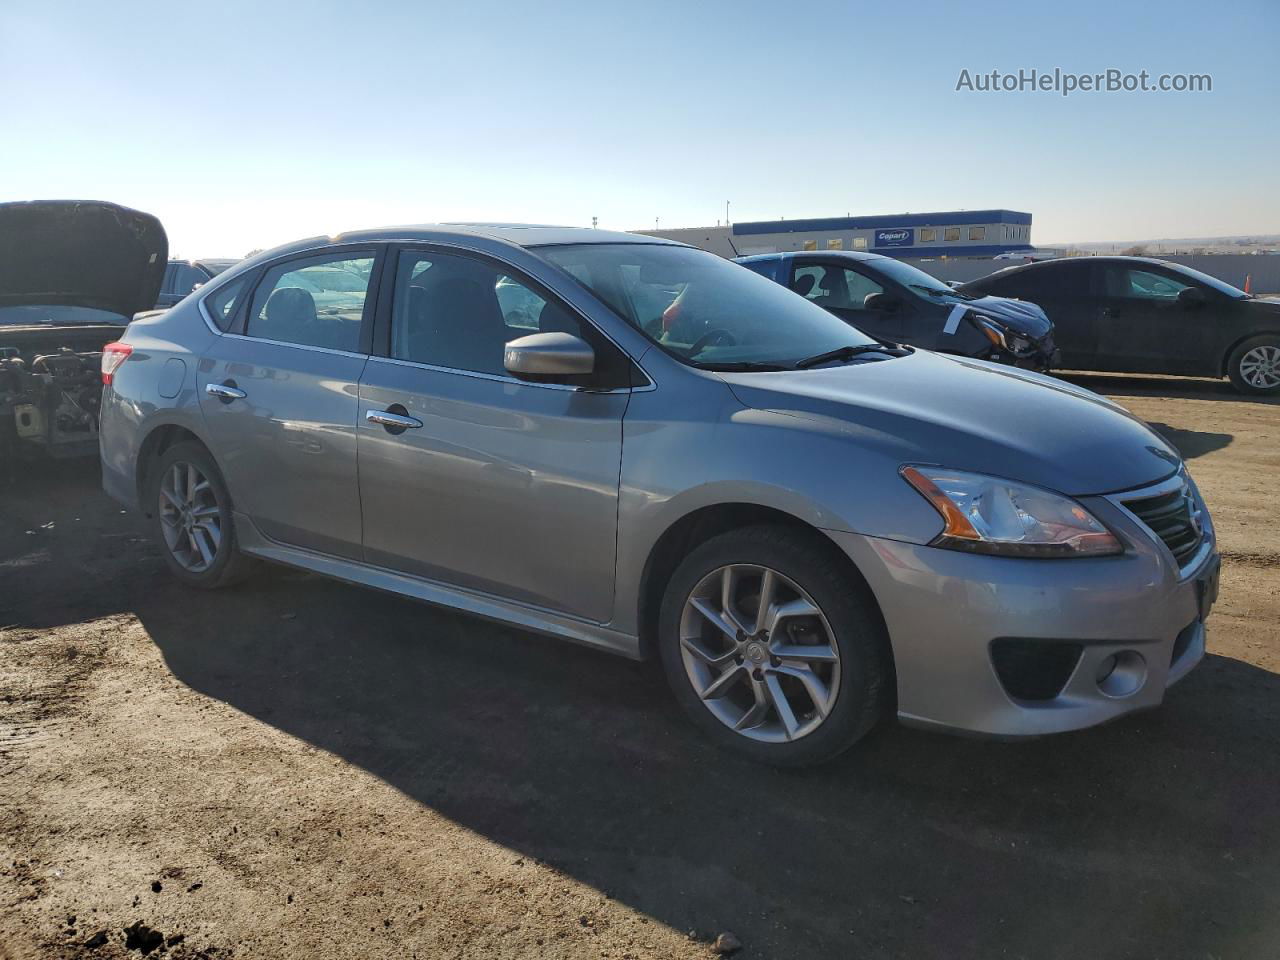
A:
{"x":739,"y":366}
{"x":846,"y":353}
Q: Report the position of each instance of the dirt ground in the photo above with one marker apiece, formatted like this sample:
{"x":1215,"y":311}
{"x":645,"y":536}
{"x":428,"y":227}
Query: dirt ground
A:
{"x":299,"y":768}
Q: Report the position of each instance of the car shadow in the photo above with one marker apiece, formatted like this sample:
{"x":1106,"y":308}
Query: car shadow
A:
{"x":1157,"y":835}
{"x":1191,"y":443}
{"x":912,"y":844}
{"x":1154,"y":385}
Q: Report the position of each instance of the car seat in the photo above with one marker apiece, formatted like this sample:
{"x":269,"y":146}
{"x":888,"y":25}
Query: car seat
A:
{"x":289,"y":315}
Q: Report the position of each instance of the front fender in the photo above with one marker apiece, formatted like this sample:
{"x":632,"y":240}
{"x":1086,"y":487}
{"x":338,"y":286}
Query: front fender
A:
{"x":816,"y":471}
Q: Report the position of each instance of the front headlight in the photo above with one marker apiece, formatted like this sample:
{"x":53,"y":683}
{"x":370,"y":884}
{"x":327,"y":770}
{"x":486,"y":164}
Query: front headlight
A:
{"x":1000,"y":335}
{"x":991,"y":515}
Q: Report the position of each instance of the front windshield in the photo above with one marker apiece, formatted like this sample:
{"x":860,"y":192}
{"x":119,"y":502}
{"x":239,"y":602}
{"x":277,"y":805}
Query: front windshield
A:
{"x":915,"y":279}
{"x":703,"y":309}
{"x":57,"y":316}
{"x":1208,"y":281}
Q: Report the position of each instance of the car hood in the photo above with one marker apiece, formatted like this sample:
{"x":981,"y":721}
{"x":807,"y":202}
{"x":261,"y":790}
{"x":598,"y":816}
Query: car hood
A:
{"x":973,"y":415}
{"x":1020,"y":316}
{"x":82,"y":253}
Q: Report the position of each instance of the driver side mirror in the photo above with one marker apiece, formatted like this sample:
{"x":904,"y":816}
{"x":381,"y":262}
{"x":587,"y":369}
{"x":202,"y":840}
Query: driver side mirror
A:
{"x":880,"y":301}
{"x":543,"y":357}
{"x":1191,"y":298}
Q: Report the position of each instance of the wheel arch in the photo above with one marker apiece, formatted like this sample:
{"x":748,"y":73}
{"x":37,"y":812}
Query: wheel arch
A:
{"x":154,"y":444}
{"x":1239,"y":342}
{"x":700,"y":525}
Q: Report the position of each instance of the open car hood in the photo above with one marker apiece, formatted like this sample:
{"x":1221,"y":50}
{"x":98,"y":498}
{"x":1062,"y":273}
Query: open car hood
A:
{"x":81,"y":253}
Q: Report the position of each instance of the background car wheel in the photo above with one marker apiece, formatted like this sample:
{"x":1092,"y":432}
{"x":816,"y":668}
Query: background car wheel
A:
{"x":1254,"y":366}
{"x":774,"y":647}
{"x":193,"y":518}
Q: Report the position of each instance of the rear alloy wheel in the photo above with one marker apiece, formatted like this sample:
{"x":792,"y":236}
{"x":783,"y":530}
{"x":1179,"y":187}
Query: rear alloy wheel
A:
{"x":190,"y":518}
{"x":774,"y":646}
{"x":193,"y":513}
{"x":1254,"y":366}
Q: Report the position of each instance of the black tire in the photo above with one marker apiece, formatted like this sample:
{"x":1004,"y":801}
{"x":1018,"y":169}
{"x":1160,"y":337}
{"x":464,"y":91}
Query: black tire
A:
{"x":1239,"y":353}
{"x":865,"y":692}
{"x":229,"y":564}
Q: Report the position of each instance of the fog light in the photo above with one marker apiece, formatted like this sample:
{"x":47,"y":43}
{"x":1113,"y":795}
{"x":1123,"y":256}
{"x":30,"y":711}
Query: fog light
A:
{"x":1122,"y":674}
{"x":1106,"y":668}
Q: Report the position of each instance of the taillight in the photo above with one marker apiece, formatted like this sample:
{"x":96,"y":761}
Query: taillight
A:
{"x":113,"y":354}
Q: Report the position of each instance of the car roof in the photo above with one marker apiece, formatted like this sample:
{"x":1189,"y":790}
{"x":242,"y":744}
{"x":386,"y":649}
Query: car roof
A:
{"x":521,"y":234}
{"x":1041,"y":265}
{"x":211,"y":261}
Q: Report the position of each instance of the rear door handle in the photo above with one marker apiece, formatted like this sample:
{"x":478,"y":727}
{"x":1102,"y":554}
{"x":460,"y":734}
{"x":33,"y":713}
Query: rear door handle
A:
{"x":393,"y":421}
{"x":225,"y":391}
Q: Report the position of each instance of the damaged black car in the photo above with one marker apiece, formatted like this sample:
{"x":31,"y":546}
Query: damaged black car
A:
{"x":72,"y":275}
{"x":898,"y":303}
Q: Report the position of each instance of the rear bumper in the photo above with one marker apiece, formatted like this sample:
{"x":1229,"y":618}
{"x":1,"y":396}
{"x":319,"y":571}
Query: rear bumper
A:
{"x":944,"y":611}
{"x":118,"y":450}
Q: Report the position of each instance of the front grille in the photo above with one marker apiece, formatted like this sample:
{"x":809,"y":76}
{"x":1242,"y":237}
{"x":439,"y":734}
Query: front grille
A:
{"x":1034,"y":669}
{"x":1174,"y":518}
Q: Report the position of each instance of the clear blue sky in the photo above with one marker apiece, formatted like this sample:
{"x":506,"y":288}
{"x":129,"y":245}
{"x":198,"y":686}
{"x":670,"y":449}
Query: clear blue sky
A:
{"x":248,"y":124}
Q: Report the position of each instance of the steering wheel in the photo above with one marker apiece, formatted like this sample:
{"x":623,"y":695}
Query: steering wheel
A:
{"x":719,"y":336}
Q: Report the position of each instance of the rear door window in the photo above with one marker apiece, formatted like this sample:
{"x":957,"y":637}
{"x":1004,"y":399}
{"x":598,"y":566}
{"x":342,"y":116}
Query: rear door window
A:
{"x":315,"y":302}
{"x":1057,"y":282}
{"x":187,"y":279}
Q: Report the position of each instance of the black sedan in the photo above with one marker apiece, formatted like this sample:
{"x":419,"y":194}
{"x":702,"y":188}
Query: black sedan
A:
{"x":1139,"y":315}
{"x":898,"y":303}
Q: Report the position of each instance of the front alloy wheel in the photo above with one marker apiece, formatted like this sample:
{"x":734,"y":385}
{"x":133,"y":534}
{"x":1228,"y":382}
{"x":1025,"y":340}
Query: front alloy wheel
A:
{"x":774,"y":645}
{"x":1260,"y":366}
{"x":1254,"y":366}
{"x":759,"y":653}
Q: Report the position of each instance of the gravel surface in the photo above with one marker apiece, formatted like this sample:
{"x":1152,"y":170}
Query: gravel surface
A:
{"x":299,"y":768}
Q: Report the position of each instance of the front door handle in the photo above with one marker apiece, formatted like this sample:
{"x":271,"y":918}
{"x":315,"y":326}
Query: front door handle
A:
{"x":226,"y":392}
{"x":393,"y":419}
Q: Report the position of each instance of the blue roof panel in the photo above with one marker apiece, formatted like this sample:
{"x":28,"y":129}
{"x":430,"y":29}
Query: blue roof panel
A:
{"x":952,"y":218}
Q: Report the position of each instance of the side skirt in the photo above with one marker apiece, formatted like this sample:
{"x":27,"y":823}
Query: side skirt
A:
{"x":484,"y":605}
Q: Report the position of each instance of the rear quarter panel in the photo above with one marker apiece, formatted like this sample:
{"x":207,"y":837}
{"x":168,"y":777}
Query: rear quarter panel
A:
{"x":135,"y":404}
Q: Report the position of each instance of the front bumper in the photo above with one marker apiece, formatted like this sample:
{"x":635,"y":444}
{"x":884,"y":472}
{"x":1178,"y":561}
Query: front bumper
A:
{"x":944,"y":611}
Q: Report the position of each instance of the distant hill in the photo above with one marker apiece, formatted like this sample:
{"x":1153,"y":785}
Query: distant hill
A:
{"x":1245,"y":243}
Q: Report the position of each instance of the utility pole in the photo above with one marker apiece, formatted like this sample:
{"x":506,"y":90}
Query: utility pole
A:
{"x":726,"y":213}
{"x":594,"y":221}
{"x":655,"y":223}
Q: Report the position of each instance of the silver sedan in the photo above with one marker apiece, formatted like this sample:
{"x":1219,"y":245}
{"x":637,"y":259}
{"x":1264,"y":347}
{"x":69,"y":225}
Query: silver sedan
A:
{"x":636,"y":445}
